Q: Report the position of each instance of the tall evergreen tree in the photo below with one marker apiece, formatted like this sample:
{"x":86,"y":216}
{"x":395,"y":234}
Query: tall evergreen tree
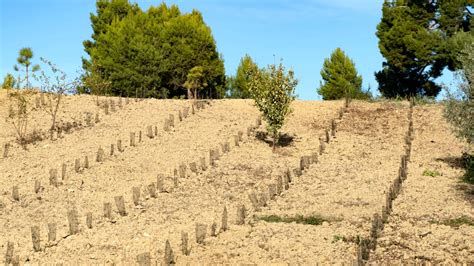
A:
{"x":239,"y":83}
{"x":150,"y":54}
{"x":187,"y":42}
{"x":340,"y":78}
{"x":415,"y":39}
{"x":108,"y":11}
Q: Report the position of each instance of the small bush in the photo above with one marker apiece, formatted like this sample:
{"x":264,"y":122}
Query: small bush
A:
{"x":9,"y":82}
{"x":18,"y":114}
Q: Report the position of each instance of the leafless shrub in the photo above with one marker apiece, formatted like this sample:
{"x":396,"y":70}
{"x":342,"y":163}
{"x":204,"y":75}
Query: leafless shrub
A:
{"x":55,"y":88}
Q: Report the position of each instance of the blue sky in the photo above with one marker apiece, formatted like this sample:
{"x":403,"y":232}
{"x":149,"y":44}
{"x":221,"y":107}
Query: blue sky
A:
{"x":301,"y":32}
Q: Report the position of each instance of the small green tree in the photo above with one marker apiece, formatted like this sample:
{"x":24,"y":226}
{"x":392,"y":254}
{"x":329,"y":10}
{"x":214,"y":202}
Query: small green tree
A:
{"x":340,"y":78}
{"x":195,"y":81}
{"x":24,"y":59}
{"x":273,"y":90}
{"x":8,"y":82}
{"x":459,"y":109}
{"x":238,"y":85}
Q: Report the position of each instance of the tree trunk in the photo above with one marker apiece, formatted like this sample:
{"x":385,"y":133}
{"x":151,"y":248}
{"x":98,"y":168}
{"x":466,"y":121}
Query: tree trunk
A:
{"x":276,"y":136}
{"x":27,"y":83}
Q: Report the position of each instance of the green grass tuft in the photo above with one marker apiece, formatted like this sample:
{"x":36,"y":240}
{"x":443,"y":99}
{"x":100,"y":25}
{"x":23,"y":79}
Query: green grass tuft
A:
{"x":299,"y":219}
{"x":432,"y":173}
{"x":456,"y":222}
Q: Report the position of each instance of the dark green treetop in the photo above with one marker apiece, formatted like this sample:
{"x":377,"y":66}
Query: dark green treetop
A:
{"x":238,"y":87}
{"x":340,"y":78}
{"x":24,"y":59}
{"x":150,"y":54}
{"x":415,"y":37}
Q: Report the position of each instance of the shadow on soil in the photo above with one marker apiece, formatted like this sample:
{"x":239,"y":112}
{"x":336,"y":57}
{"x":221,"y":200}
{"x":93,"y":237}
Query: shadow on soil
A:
{"x":455,"y":162}
{"x":465,"y":185}
{"x":284,"y":141}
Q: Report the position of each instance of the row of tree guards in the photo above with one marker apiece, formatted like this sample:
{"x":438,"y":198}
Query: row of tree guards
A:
{"x":152,"y":190}
{"x":86,"y":120}
{"x":55,"y":179}
{"x":365,"y":246}
{"x":100,"y":156}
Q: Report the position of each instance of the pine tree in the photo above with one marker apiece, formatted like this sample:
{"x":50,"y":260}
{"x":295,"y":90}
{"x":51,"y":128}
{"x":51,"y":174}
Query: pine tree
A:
{"x":150,"y":54}
{"x":340,"y":78}
{"x":415,"y":39}
{"x":24,"y":59}
{"x":239,"y":83}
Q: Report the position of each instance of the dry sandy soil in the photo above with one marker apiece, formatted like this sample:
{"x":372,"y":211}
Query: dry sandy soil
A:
{"x":346,"y":186}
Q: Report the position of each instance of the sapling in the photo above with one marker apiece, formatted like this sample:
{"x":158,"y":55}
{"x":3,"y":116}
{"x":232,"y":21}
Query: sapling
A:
{"x":18,"y":114}
{"x":55,"y":88}
{"x":273,"y":89}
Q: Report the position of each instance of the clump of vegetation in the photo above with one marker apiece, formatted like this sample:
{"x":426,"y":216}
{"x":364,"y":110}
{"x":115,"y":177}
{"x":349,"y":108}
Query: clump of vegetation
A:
{"x":432,"y":173}
{"x":273,"y":90}
{"x":299,"y":219}
{"x":456,"y":222}
{"x":459,"y":109}
{"x":340,"y":78}
{"x":8,"y":82}
{"x":337,"y":238}
{"x":24,"y":59}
